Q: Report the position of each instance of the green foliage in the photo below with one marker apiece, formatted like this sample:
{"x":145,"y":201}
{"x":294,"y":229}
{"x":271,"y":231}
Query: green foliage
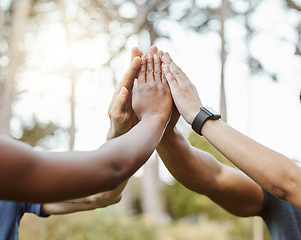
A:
{"x":111,"y":224}
{"x":105,"y":224}
{"x":203,"y":144}
{"x":36,"y":133}
{"x":181,"y":202}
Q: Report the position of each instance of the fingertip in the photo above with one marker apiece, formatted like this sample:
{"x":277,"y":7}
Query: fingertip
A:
{"x":153,"y":49}
{"x":135,"y":51}
{"x":164,"y":59}
{"x":136,"y":62}
{"x":160,"y":53}
{"x":123,"y":91}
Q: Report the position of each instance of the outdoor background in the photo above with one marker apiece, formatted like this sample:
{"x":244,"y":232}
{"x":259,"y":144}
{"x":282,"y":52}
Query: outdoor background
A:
{"x":60,"y":62}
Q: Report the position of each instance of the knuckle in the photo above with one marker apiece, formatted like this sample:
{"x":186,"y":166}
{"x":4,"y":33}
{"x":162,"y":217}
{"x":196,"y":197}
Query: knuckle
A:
{"x":156,"y":61}
{"x":150,"y":85}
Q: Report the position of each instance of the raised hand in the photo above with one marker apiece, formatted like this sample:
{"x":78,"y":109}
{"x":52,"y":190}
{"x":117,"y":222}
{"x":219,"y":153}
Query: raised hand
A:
{"x":151,"y":94}
{"x":122,"y":116}
{"x":175,"y":115}
{"x":184,"y":93}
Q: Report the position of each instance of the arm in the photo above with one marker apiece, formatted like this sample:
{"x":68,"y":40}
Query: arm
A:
{"x":273,"y":171}
{"x":29,"y":175}
{"x":99,"y":200}
{"x":201,"y":172}
{"x":122,"y":119}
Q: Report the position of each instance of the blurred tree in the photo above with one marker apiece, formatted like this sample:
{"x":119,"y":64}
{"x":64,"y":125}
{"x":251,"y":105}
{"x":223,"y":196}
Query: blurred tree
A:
{"x":123,"y":21}
{"x":44,"y":135}
{"x":70,"y":72}
{"x":293,"y":4}
{"x":12,"y":33}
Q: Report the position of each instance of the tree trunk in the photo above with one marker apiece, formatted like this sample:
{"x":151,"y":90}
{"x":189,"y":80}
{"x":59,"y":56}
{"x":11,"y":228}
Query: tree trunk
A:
{"x":151,"y":201}
{"x":71,"y":75}
{"x":223,"y":107}
{"x":1,"y":73}
{"x":19,"y":16}
{"x":128,"y":201}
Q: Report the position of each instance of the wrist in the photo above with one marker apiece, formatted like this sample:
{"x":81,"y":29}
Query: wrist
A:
{"x":169,"y":135}
{"x":205,"y":114}
{"x":113,"y":132}
{"x":155,"y":121}
{"x":161,"y":118}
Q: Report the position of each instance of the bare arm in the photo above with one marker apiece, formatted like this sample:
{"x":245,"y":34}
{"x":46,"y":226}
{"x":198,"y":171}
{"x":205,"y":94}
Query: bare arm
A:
{"x":122,"y":119}
{"x":29,"y":175}
{"x":273,"y":171}
{"x":99,"y":200}
{"x":201,"y":172}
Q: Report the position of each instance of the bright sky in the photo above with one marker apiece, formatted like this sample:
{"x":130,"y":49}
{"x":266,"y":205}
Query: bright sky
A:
{"x":268,"y":112}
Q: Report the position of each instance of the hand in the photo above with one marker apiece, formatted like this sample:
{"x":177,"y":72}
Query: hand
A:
{"x":151,"y":94}
{"x":120,"y":111}
{"x":184,"y":93}
{"x":175,"y":115}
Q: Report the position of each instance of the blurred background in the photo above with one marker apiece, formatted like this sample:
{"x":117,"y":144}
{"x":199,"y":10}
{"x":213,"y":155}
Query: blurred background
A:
{"x":60,"y":62}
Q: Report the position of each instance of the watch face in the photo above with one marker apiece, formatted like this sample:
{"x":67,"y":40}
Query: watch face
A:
{"x":210,"y":109}
{"x":212,"y":113}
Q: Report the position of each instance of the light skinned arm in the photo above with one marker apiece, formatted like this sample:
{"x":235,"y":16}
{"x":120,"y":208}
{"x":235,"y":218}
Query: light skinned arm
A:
{"x":99,"y":200}
{"x":201,"y":172}
{"x":29,"y":175}
{"x":270,"y":169}
{"x":120,"y":110}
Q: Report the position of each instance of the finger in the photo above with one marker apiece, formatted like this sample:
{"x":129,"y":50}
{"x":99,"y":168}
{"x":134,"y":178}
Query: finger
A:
{"x":130,"y":74}
{"x":161,"y":54}
{"x":142,"y":71}
{"x":164,"y":80}
{"x":121,"y":100}
{"x":154,"y":49}
{"x":135,"y":87}
{"x":174,"y":69}
{"x":128,"y":78}
{"x":135,"y":53}
{"x":172,"y":81}
{"x":157,"y":68}
{"x":150,"y":68}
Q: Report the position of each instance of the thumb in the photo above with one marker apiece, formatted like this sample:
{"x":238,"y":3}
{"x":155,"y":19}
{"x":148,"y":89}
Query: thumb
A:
{"x":120,"y":100}
{"x":135,"y":86}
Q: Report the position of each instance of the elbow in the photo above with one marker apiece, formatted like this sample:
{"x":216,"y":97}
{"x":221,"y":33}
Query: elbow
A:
{"x":117,"y":174}
{"x":285,"y":190}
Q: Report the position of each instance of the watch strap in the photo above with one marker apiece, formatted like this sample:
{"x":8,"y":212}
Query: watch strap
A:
{"x":202,"y":116}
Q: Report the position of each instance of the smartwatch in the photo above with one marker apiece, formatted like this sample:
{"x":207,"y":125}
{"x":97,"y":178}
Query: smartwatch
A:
{"x":204,"y":114}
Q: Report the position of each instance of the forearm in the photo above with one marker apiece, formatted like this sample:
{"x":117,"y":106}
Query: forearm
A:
{"x":273,"y":171}
{"x":201,"y":172}
{"x":48,"y":177}
{"x":95,"y":201}
{"x":195,"y":169}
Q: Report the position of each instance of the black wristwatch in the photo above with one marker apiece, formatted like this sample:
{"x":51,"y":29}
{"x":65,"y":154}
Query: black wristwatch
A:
{"x":204,"y":114}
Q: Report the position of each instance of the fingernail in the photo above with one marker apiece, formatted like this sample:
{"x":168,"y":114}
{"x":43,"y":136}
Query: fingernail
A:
{"x":148,"y":56}
{"x":168,"y":56}
{"x":156,"y":56}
